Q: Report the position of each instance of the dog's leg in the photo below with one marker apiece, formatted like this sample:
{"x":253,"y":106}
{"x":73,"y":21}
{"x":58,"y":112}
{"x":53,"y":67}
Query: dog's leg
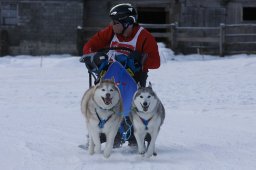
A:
{"x":109,"y":144}
{"x":140,"y":141}
{"x":155,"y":154}
{"x":90,"y":140}
{"x":96,"y":140}
{"x":110,"y":140}
{"x":91,"y":146}
{"x":151,"y":147}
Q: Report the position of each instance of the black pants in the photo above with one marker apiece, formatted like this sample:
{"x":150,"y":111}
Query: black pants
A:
{"x":141,"y":77}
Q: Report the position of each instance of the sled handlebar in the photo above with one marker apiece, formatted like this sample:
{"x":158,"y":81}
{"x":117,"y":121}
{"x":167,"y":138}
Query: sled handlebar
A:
{"x":88,"y":58}
{"x":104,"y":50}
{"x":115,"y":48}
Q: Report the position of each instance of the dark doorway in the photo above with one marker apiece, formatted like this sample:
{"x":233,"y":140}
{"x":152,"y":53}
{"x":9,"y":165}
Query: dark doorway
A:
{"x":249,"y":13}
{"x":153,"y":15}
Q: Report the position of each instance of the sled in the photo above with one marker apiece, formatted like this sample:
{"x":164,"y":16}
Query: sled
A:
{"x":123,"y":79}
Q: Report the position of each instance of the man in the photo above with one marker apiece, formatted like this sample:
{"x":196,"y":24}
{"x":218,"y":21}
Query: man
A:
{"x":125,"y":32}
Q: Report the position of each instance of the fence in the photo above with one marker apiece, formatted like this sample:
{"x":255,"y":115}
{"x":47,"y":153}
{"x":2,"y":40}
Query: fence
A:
{"x":224,"y":39}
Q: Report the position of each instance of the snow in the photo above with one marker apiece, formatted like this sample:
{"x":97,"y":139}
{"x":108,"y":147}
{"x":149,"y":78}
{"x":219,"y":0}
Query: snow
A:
{"x":210,"y":120}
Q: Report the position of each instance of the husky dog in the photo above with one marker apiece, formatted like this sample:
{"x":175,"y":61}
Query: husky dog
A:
{"x":147,"y":116}
{"x":101,"y":105}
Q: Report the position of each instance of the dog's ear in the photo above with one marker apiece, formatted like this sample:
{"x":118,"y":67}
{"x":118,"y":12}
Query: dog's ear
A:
{"x":113,"y":79}
{"x":150,"y":85}
{"x":138,"y":85}
{"x":121,"y":105}
{"x":100,"y":81}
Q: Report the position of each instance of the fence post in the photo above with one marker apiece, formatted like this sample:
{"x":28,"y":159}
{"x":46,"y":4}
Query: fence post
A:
{"x":173,"y":36}
{"x":222,"y":39}
{"x":79,"y":40}
{"x":4,"y":42}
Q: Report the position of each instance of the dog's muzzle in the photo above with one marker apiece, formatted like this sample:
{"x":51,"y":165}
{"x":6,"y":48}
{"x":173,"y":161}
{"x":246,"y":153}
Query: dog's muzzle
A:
{"x":145,"y":106}
{"x":107,"y":100}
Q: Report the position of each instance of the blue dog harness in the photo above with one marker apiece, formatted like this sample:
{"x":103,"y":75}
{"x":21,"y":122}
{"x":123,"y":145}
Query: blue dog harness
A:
{"x":102,"y":122}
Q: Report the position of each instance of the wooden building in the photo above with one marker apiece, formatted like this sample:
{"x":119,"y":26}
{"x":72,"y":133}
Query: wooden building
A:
{"x":205,"y":26}
{"x":50,"y":26}
{"x":39,"y":27}
{"x":96,"y":15}
{"x":224,"y":26}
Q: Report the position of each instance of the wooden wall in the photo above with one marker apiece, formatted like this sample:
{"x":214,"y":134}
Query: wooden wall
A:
{"x":40,"y":29}
{"x":235,"y":11}
{"x":213,"y":12}
{"x":96,"y":13}
{"x":44,"y":26}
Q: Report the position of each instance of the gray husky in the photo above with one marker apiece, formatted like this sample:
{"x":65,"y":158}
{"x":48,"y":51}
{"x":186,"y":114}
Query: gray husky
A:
{"x":147,"y":116}
{"x":101,"y":105}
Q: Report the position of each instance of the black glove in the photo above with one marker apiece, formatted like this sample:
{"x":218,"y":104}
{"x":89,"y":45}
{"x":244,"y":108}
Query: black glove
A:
{"x":99,"y":58}
{"x":87,"y":59}
{"x":95,"y":61}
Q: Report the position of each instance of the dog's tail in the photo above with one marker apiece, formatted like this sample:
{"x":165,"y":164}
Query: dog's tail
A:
{"x":85,"y":99}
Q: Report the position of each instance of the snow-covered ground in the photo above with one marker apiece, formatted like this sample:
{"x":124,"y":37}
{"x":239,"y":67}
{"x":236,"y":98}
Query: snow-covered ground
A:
{"x":210,"y":120}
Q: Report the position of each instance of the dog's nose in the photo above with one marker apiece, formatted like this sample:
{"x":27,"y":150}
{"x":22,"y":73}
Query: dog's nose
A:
{"x":145,"y":103}
{"x":108,"y":95}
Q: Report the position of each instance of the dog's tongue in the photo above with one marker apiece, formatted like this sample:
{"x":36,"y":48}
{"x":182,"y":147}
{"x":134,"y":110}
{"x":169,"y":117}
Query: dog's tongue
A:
{"x":145,"y":109}
{"x":107,"y":100}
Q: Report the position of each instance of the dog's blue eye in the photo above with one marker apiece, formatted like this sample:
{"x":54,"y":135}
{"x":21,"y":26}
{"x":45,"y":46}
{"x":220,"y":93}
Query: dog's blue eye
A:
{"x":149,"y":96}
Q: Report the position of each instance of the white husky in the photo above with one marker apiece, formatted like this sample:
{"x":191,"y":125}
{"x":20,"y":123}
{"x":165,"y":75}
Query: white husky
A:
{"x":147,"y":116}
{"x":101,"y":105}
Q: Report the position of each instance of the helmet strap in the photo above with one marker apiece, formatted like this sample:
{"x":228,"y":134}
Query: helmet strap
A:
{"x":125,"y":26}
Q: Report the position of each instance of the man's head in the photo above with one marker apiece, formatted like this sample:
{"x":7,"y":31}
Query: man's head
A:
{"x":123,"y":15}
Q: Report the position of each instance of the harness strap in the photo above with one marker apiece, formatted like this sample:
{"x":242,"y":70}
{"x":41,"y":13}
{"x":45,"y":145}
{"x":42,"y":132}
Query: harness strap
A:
{"x":145,"y":122}
{"x":102,"y":122}
{"x":126,"y":133}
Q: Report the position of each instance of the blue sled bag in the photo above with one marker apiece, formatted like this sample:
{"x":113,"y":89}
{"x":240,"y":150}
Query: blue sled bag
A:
{"x":125,"y":83}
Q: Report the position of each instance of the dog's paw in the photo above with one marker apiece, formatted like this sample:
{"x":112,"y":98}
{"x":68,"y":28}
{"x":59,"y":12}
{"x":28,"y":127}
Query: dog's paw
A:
{"x":91,"y":151}
{"x":106,"y":154}
{"x":148,"y":154}
{"x":97,"y":151}
{"x":142,"y":152}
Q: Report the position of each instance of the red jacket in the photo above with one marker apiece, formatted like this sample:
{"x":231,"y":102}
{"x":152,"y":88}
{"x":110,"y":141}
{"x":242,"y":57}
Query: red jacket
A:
{"x":146,"y":45}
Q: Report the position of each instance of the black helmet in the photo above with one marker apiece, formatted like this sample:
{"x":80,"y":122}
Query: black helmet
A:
{"x":124,"y":13}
